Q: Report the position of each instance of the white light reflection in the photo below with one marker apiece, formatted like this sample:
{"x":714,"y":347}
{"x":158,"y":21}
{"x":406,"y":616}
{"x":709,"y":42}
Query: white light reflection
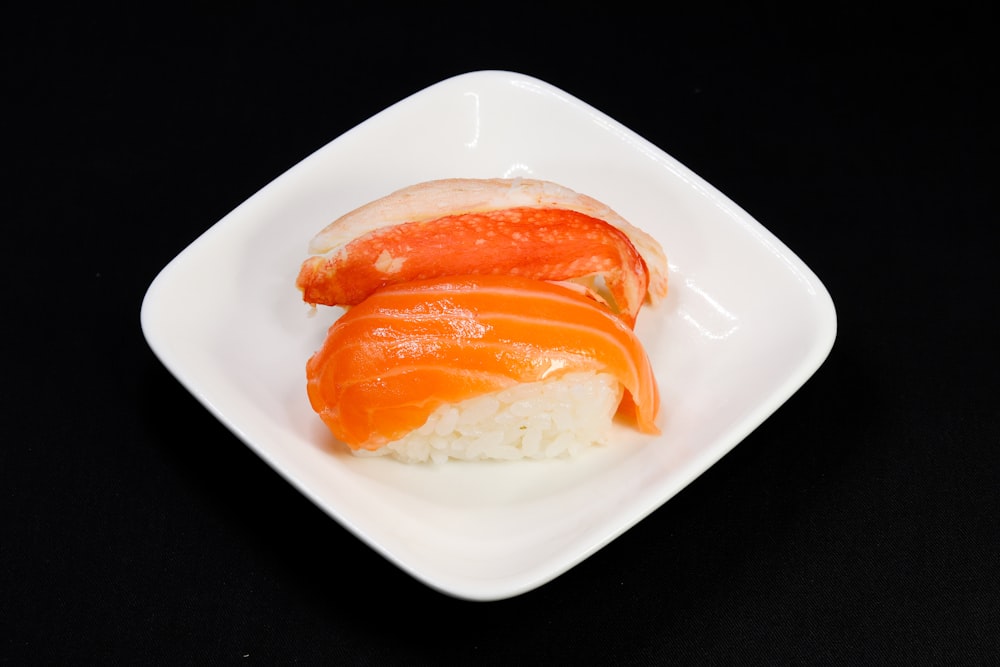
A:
{"x":715,"y":322}
{"x":517,"y":169}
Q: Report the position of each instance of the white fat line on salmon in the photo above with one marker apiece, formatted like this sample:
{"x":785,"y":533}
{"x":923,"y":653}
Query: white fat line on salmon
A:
{"x":450,"y":295}
{"x":554,"y":360}
{"x":467,"y":324}
{"x":451,"y":287}
{"x":444,"y":323}
{"x":486,"y":376}
{"x":420,"y":346}
{"x":468,"y":331}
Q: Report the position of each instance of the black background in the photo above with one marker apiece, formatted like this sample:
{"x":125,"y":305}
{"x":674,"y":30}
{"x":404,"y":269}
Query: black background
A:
{"x":858,"y":525}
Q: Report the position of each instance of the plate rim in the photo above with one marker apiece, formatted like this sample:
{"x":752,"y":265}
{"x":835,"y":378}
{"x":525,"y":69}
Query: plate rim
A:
{"x":513,"y":585}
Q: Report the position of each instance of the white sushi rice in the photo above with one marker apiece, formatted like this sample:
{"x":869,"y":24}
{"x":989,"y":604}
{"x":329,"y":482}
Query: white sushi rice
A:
{"x":548,"y":419}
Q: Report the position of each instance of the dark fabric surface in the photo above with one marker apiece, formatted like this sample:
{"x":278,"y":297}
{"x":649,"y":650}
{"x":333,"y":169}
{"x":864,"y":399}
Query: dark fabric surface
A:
{"x":858,"y":525}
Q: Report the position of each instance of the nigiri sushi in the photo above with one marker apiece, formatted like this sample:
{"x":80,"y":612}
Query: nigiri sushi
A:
{"x":480,"y":367}
{"x":517,"y":226}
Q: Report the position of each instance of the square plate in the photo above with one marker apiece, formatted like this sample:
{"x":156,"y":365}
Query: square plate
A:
{"x":745,"y":324}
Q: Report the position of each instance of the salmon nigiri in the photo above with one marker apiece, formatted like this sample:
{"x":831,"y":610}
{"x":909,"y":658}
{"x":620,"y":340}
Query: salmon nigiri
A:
{"x":479,"y":367}
{"x":527,"y":227}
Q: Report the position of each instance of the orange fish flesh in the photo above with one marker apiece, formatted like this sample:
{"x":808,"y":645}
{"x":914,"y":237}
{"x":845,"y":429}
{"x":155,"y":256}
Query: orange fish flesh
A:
{"x":539,"y":243}
{"x":392,"y":359}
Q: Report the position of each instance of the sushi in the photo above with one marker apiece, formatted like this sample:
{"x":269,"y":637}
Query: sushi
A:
{"x":518,"y":226}
{"x":483,"y":319}
{"x":480,"y":367}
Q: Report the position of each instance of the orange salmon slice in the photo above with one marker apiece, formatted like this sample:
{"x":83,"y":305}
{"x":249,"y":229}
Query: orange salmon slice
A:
{"x":407,"y":349}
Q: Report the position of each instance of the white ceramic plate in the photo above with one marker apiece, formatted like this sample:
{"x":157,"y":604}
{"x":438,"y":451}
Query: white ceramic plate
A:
{"x":744,"y":326}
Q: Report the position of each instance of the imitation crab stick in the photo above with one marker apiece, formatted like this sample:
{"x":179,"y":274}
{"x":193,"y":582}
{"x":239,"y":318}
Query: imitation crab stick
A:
{"x":407,"y":349}
{"x":526,"y":227}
